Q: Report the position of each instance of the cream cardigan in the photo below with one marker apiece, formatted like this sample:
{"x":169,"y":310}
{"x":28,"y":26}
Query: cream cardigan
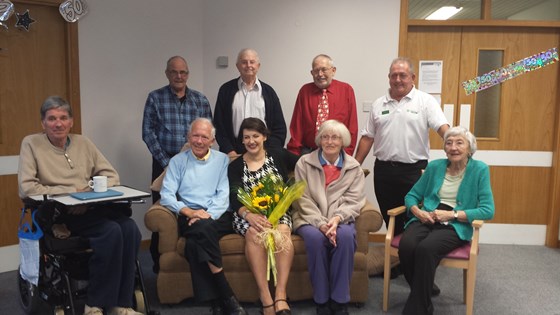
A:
{"x":344,"y":196}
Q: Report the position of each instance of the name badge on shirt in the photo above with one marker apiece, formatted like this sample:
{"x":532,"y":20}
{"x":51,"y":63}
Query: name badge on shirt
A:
{"x":385,"y":112}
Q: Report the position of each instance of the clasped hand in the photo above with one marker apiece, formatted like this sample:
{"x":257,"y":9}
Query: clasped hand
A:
{"x":195,"y":215}
{"x":436,"y":216}
{"x":258,"y":221}
{"x":329,"y":229}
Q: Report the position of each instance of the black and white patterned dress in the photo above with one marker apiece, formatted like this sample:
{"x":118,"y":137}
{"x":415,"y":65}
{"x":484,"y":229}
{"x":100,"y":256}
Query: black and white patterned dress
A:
{"x":250,"y":179}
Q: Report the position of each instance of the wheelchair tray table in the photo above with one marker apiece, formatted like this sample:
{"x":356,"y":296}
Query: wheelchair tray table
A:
{"x":128,"y":193}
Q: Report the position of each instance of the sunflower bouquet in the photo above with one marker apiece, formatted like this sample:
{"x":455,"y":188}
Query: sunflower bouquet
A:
{"x":271,"y":197}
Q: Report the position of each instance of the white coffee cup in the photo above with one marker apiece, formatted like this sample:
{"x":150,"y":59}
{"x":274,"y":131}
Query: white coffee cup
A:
{"x":98,"y":183}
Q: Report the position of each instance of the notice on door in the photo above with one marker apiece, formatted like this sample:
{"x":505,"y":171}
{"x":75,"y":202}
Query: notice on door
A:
{"x":430,"y":76}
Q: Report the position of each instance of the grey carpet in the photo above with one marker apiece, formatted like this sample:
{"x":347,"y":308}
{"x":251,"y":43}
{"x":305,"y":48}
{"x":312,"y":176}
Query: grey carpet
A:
{"x":511,"y":279}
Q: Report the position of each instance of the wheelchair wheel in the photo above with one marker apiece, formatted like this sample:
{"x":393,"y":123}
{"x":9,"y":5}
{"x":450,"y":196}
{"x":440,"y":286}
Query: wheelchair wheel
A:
{"x":28,"y":295}
{"x":139,"y":301}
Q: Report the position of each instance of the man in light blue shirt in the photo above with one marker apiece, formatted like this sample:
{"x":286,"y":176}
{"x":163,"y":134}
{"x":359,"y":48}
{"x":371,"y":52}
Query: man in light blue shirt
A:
{"x":196,"y":188}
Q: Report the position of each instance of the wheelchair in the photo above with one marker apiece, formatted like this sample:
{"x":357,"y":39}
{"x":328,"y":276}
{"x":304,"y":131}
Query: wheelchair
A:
{"x":63,"y":270}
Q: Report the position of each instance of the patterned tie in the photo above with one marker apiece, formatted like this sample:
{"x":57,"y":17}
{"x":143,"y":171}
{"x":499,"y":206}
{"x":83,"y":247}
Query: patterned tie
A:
{"x":322,"y":110}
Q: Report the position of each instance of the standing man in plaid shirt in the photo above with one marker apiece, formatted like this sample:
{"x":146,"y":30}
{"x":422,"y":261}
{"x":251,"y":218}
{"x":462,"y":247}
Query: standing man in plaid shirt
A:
{"x":168,"y":114}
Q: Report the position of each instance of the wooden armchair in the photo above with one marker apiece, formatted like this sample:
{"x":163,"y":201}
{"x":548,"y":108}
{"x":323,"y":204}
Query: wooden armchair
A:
{"x":464,"y":257}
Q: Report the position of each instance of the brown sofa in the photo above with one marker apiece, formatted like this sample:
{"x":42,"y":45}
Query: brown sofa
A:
{"x":174,"y":278}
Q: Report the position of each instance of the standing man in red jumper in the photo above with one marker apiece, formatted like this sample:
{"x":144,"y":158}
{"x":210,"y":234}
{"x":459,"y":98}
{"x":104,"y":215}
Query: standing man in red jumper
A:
{"x":321,"y":100}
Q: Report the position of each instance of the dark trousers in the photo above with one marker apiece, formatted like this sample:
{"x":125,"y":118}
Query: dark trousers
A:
{"x":392,"y":181}
{"x":115,"y":243}
{"x":203,"y":247}
{"x":421,"y":249}
{"x":154,"y":248}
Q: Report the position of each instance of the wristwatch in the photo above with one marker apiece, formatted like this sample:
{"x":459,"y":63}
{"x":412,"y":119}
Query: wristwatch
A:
{"x":455,"y":214}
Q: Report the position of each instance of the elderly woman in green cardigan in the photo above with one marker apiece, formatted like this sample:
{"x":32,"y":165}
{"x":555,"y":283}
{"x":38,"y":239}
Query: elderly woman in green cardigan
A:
{"x":450,"y":194}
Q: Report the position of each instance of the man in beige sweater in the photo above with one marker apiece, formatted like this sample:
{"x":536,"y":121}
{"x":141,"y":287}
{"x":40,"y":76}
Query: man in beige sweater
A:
{"x":57,"y":162}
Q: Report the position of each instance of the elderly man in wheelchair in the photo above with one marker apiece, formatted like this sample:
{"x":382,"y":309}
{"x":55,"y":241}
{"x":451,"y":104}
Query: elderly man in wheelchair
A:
{"x":57,"y":162}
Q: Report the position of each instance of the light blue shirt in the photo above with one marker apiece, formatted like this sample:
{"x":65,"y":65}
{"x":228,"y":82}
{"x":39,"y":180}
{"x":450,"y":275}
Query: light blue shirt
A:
{"x":197,"y":184}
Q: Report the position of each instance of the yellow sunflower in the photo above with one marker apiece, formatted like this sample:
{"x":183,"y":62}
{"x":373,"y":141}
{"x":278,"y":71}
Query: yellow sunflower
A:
{"x":261,"y":203}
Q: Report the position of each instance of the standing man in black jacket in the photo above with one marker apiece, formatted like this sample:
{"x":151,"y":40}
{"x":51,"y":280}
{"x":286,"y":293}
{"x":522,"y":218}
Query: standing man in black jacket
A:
{"x":243,"y":97}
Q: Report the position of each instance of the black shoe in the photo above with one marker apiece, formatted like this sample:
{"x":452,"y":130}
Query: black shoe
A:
{"x":323,"y":309}
{"x":285,"y":311}
{"x":232,"y":307}
{"x":217,"y":308}
{"x":339,"y":308}
{"x":435,"y":290}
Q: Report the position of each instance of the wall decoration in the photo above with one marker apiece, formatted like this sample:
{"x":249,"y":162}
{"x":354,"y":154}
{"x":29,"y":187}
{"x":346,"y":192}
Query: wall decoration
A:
{"x":24,"y":20}
{"x":6,"y":10}
{"x":73,"y":10}
{"x":510,"y":71}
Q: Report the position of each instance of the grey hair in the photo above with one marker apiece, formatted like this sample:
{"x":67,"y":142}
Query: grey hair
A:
{"x":248,"y":50}
{"x":203,"y":120}
{"x":330,"y":60}
{"x":173,"y":58}
{"x":403,"y":60}
{"x":335,"y":127}
{"x":462,"y":132}
{"x":54,"y":102}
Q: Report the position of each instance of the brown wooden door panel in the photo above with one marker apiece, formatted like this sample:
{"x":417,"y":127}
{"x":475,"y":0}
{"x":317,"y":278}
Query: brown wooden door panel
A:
{"x":9,"y":214}
{"x":520,"y":194}
{"x":528,"y":101}
{"x":33,"y":65}
{"x":443,"y":43}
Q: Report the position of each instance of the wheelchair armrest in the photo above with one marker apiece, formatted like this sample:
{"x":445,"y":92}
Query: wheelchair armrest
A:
{"x":163,"y":221}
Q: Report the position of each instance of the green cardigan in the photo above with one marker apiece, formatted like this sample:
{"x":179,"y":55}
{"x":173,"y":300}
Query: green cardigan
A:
{"x":474,"y":195}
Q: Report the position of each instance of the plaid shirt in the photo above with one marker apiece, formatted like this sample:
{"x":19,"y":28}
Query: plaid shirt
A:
{"x":167,"y":120}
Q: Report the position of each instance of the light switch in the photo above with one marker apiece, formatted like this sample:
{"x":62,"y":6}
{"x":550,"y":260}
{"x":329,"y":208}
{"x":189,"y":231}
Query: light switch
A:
{"x":222,"y":62}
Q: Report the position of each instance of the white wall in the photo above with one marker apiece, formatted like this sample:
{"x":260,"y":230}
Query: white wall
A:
{"x":124,"y":46}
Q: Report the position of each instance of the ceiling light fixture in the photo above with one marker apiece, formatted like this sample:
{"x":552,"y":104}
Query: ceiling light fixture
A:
{"x":444,"y":13}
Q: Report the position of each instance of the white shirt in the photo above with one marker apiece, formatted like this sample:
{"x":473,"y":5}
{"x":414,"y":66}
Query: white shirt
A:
{"x":247,"y":103}
{"x":401,"y":129}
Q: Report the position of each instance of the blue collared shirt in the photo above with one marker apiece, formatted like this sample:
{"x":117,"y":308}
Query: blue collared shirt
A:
{"x":167,"y":119}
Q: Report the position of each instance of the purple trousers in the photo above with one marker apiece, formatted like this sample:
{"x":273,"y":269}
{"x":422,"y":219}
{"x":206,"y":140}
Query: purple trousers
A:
{"x":330,"y":268}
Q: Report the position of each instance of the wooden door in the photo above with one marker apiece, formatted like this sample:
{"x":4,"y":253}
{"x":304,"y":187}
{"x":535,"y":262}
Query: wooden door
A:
{"x":528,"y":111}
{"x":34,"y":64}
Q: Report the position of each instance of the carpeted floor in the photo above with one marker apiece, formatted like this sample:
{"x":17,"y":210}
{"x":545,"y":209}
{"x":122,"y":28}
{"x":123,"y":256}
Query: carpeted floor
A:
{"x":511,"y":279}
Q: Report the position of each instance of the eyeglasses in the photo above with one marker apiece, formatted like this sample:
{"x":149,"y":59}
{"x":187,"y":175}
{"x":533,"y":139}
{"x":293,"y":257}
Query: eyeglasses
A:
{"x":69,"y":160}
{"x":321,"y":70}
{"x":329,"y":137}
{"x":175,"y":73}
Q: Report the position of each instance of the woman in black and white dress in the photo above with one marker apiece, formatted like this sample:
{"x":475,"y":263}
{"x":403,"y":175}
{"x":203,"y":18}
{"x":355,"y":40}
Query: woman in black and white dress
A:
{"x":246,"y":172}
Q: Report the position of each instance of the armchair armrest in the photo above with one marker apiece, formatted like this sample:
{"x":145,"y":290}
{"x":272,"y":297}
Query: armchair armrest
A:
{"x":162,"y":220}
{"x":391,"y":228}
{"x":369,"y":220}
{"x":476,"y":224}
